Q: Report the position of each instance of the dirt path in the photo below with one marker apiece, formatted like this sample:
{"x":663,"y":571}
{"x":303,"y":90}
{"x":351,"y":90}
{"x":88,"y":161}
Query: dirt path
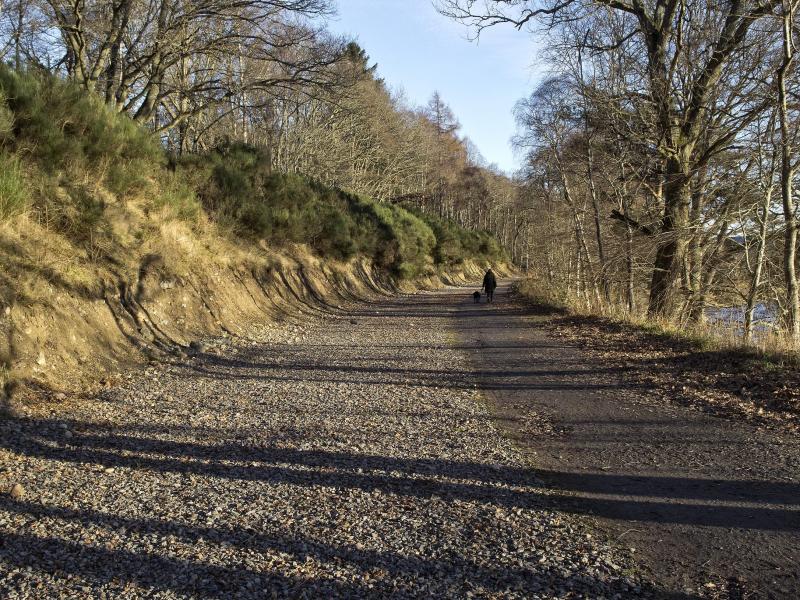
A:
{"x":711,"y":506}
{"x":350,"y":458}
{"x":355,"y":457}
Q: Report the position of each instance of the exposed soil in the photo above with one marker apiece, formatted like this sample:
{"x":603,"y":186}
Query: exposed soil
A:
{"x":702,"y":486}
{"x":70,"y":338}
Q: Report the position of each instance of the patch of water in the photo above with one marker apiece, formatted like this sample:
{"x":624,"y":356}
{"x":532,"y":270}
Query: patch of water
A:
{"x":731,"y":318}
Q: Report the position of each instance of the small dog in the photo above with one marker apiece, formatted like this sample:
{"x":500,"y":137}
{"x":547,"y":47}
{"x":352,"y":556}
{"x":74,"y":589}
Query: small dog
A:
{"x":476,"y":297}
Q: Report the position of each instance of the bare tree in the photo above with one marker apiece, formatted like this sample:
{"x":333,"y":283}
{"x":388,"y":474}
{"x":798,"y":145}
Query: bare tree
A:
{"x":788,"y":8}
{"x":166,"y":61}
{"x":687,"y":53}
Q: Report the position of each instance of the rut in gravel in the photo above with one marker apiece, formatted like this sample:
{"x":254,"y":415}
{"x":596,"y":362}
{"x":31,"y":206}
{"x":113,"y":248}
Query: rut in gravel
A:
{"x":352,"y":457}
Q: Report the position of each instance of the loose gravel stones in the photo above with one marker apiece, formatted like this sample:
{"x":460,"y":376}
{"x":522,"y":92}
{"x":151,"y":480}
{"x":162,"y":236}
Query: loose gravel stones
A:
{"x":17,"y":492}
{"x":347,"y":457}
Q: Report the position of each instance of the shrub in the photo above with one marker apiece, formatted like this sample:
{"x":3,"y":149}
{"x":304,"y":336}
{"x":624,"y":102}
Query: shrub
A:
{"x":176,"y":195}
{"x":226,"y":179}
{"x":69,"y":138}
{"x":235,"y":185}
{"x":129,"y":178}
{"x":6,"y":119}
{"x":290,"y":208}
{"x":62,"y":127}
{"x":14,"y":195}
{"x":454,"y":244}
{"x":408,"y":241}
{"x":78,"y":214}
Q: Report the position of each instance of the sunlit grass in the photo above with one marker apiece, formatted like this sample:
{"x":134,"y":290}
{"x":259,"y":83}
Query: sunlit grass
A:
{"x":770,"y":347}
{"x":14,"y":195}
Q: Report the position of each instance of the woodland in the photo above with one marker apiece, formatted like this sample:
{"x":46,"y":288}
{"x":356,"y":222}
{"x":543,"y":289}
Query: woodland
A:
{"x":659,"y":151}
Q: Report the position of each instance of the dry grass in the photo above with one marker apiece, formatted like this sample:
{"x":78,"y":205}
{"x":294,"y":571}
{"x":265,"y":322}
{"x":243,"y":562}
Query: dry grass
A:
{"x":773,"y":346}
{"x":35,"y":261}
{"x":14,"y":193}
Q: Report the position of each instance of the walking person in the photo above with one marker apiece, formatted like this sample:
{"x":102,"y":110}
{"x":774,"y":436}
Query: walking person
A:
{"x":489,"y":284}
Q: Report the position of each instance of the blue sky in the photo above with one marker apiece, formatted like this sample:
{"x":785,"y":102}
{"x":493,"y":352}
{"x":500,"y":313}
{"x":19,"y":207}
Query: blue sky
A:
{"x":420,"y":51}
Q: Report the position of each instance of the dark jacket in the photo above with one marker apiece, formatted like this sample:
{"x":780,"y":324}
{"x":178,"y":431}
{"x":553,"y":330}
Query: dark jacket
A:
{"x":489,"y":282}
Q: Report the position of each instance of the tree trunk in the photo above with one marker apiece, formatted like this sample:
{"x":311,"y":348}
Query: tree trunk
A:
{"x":694,"y":272}
{"x":631,"y":299}
{"x":755,"y":282}
{"x":707,"y":278}
{"x":670,"y":254}
{"x":578,"y":266}
{"x":787,"y":173}
{"x":18,"y":36}
{"x":601,"y":257}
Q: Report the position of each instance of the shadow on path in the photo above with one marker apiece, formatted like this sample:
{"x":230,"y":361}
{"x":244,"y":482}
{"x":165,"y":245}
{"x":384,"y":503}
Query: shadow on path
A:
{"x":701,"y":498}
{"x":169,"y":569}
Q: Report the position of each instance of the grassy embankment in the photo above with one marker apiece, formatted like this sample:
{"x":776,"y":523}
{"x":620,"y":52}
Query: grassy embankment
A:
{"x":109,"y":247}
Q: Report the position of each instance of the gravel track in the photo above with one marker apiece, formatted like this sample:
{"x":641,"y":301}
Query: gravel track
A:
{"x":707,"y":500}
{"x":352,"y":456}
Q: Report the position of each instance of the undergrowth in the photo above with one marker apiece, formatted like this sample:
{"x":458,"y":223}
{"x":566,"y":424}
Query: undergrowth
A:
{"x":13,"y":188}
{"x":237,"y":188}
